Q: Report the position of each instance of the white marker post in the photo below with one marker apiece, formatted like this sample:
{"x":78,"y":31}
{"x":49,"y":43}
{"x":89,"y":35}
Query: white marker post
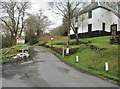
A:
{"x":63,"y":51}
{"x":51,"y":42}
{"x":77,"y":60}
{"x":106,"y":66}
{"x":67,"y":51}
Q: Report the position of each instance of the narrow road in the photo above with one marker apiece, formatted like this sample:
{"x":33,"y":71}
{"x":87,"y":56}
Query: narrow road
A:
{"x":46,"y":70}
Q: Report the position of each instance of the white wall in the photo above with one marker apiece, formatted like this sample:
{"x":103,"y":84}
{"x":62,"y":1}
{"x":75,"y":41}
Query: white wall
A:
{"x":96,"y":19}
{"x":99,"y":16}
{"x":115,"y":20}
{"x":83,"y":27}
{"x":109,"y":18}
{"x":105,"y":16}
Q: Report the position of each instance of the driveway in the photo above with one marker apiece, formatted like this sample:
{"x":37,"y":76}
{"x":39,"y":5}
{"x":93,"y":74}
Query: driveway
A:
{"x":46,"y":70}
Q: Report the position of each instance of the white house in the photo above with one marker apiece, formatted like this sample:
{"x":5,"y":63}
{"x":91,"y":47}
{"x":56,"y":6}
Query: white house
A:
{"x":98,"y":20}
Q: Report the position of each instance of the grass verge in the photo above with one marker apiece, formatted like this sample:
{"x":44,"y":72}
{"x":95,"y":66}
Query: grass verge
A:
{"x":93,"y":61}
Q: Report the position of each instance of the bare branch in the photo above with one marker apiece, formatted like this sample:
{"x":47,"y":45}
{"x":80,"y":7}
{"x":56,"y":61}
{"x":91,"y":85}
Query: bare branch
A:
{"x":7,"y":25}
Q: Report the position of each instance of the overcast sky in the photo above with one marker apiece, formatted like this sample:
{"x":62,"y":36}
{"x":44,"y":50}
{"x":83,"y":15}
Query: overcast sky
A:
{"x":43,"y":4}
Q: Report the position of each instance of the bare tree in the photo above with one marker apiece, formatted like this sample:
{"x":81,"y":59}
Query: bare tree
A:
{"x":4,"y":29}
{"x":36,"y":24}
{"x":114,"y":4}
{"x":68,"y":9}
{"x":42,"y":21}
{"x":13,"y":16}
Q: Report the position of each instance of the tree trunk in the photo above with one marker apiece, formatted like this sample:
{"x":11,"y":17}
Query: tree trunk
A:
{"x":68,"y":32}
{"x":13,"y":40}
{"x":77,"y":38}
{"x":38,"y":32}
{"x":69,"y":24}
{"x":68,"y":43}
{"x":14,"y":36}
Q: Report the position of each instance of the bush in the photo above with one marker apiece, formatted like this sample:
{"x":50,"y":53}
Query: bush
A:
{"x":42,"y":43}
{"x":115,"y":40}
{"x":71,"y":50}
{"x":80,"y":42}
{"x":33,"y":41}
{"x":58,"y":50}
{"x":7,"y":42}
{"x":61,"y":43}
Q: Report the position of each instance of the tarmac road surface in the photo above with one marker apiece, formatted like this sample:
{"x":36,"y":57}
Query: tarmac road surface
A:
{"x":46,"y":70}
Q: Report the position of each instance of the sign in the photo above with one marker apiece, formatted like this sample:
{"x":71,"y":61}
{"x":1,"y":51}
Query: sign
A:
{"x":51,"y":38}
{"x":20,"y":40}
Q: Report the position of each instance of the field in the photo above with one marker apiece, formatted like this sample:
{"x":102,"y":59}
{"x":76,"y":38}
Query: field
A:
{"x":92,"y":56}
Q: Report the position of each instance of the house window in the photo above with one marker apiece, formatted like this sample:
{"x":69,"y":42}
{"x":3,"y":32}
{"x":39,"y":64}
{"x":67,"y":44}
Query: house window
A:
{"x":90,"y":14}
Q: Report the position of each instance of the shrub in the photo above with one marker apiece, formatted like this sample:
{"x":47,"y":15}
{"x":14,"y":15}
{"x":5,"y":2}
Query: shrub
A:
{"x":62,"y":43}
{"x":33,"y":41}
{"x":73,"y":50}
{"x":115,"y":40}
{"x":7,"y":42}
{"x":47,"y":46}
{"x":59,"y":50}
{"x":42,"y":43}
{"x":93,"y":47}
{"x":80,"y":42}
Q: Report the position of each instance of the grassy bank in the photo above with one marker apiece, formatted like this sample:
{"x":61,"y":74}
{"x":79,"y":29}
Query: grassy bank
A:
{"x":90,"y":60}
{"x":9,"y":53}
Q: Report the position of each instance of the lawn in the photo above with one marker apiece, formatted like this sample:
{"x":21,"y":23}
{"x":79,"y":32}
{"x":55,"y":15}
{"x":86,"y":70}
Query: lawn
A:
{"x":93,"y":61}
{"x":101,"y":42}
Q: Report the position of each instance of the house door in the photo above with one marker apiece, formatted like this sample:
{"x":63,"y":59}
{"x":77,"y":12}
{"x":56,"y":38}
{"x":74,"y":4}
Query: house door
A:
{"x":89,"y":29}
{"x":103,"y":27}
{"x":114,"y":30}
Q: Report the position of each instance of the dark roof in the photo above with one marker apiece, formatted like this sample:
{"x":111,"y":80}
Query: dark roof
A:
{"x":95,"y":5}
